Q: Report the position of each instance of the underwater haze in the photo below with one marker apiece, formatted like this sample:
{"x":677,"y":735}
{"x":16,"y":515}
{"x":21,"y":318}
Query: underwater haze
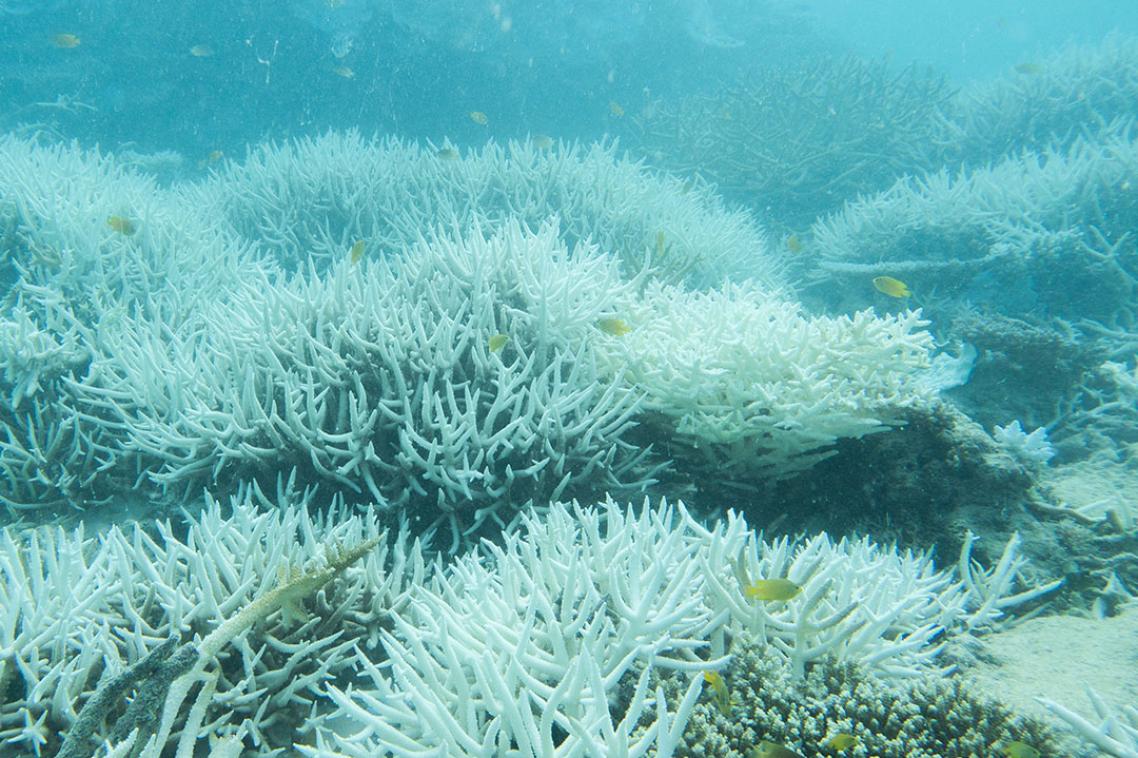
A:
{"x":720,"y":378}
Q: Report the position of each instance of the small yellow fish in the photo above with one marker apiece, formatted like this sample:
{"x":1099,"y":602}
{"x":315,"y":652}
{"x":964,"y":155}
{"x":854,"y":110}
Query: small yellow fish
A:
{"x":1017,"y":749}
{"x":447,"y":154}
{"x":479,"y":118}
{"x":542,"y":141}
{"x":616,"y":109}
{"x":794,"y":244}
{"x":357,"y":252}
{"x":617,"y":327}
{"x":660,"y":247}
{"x":719,"y":689}
{"x":213,"y":157}
{"x":773,"y":750}
{"x":772,"y":590}
{"x":887,"y":285}
{"x":1029,"y":69}
{"x":344,"y":72}
{"x":841,"y":741}
{"x":66,"y":41}
{"x":497,"y":342}
{"x":122,"y":225}
{"x":201,"y":51}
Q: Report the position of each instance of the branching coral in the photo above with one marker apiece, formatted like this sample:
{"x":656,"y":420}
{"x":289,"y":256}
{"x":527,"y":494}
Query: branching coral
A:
{"x":800,"y":138}
{"x":314,"y":198}
{"x":1113,"y":730}
{"x":56,"y":204}
{"x":926,"y":717}
{"x":381,"y":379}
{"x":1045,"y":234}
{"x":75,"y":611}
{"x":745,"y":380}
{"x":550,"y":644}
{"x":1057,"y":98}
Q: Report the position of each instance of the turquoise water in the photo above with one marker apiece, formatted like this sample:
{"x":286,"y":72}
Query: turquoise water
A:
{"x":690,"y":377}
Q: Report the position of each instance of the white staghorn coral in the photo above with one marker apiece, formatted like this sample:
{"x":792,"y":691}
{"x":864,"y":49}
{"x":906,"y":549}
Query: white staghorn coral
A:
{"x":69,"y":280}
{"x":56,"y":207}
{"x":1037,"y":232}
{"x":750,"y":382}
{"x":313,"y":198}
{"x":522,"y":649}
{"x":1114,"y":730}
{"x":73,"y":607}
{"x":380,"y":379}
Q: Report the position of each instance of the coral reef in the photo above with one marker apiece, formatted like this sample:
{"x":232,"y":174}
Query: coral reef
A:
{"x":378,"y":376}
{"x":77,"y":611}
{"x":1043,"y":235}
{"x":1043,"y":102}
{"x":1049,"y":361}
{"x":766,"y":412}
{"x":310,"y":200}
{"x":527,"y":645}
{"x":926,"y":717}
{"x":800,"y":138}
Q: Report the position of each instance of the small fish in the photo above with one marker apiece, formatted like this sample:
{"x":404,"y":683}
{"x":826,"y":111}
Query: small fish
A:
{"x":479,"y":118}
{"x":1017,"y":749}
{"x":497,"y":342}
{"x":344,"y":72}
{"x":719,"y":689}
{"x":122,"y":225}
{"x":542,"y":141}
{"x":201,"y":51}
{"x":617,"y":327}
{"x":334,"y":4}
{"x":887,"y":285}
{"x":66,"y":41}
{"x":357,"y":252}
{"x":1029,"y":69}
{"x":794,"y":244}
{"x":841,"y":741}
{"x":447,"y":154}
{"x":772,"y":590}
{"x":660,"y":248}
{"x":616,"y":109}
{"x":213,"y":157}
{"x":773,"y":750}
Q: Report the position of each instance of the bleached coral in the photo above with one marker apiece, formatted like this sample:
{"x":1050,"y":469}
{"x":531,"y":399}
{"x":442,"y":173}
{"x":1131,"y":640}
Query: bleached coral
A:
{"x":70,"y":280}
{"x":55,"y":205}
{"x":76,"y":609}
{"x":380,"y":379}
{"x":1041,"y":232}
{"x":750,"y":382}
{"x":552,"y":638}
{"x":1032,"y":448}
{"x":1114,"y":730}
{"x":524,"y":646}
{"x":313,"y":198}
